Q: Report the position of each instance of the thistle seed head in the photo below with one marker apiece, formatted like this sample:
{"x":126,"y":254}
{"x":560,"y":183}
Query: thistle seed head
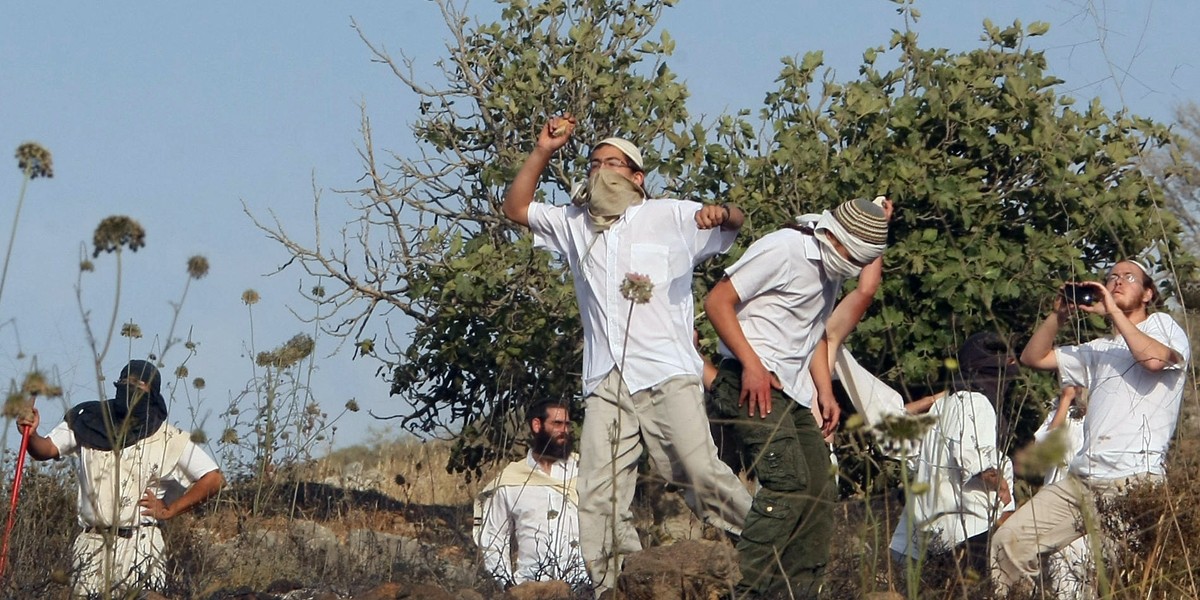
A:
{"x":131,"y":330}
{"x":637,"y":288}
{"x":116,"y":231}
{"x":291,"y":352}
{"x":35,"y":384}
{"x":35,"y":160}
{"x":197,"y":267}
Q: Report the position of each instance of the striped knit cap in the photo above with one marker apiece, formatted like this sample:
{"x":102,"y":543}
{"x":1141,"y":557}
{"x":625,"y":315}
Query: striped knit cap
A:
{"x":864,"y":220}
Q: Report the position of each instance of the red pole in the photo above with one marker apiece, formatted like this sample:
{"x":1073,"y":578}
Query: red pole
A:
{"x":16,"y":489}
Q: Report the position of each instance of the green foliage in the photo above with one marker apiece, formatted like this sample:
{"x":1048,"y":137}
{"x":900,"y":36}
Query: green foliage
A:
{"x":1003,"y":189}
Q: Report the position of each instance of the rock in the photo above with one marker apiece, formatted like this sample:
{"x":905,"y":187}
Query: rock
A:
{"x":282,"y":586}
{"x":688,"y":570}
{"x":469,"y":595}
{"x":539,"y":590}
{"x":405,"y":591}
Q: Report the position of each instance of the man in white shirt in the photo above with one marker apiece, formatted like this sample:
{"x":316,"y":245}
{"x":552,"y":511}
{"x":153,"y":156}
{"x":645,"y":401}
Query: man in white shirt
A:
{"x":127,"y":454}
{"x":960,"y":481}
{"x":770,"y":311}
{"x":1135,"y":379}
{"x":535,"y":501}
{"x":641,"y":373}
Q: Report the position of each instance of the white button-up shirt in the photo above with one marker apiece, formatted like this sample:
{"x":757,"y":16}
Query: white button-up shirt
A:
{"x":1132,"y":411}
{"x":955,"y":506}
{"x":544,"y":523}
{"x":658,"y":238}
{"x":785,"y":301}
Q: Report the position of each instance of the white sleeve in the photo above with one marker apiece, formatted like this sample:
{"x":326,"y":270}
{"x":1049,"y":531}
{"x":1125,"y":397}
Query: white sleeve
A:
{"x":702,"y":244}
{"x":193,"y":464}
{"x":549,"y":227}
{"x":496,"y":536}
{"x":63,"y":438}
{"x":761,"y":269}
{"x":1164,"y":329}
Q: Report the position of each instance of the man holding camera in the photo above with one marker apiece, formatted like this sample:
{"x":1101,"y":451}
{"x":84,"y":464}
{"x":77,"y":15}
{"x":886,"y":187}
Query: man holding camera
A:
{"x":1135,"y":379}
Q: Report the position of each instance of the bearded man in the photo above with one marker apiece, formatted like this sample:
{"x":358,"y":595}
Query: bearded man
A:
{"x":1135,"y":379}
{"x":535,"y":501}
{"x":641,"y":373}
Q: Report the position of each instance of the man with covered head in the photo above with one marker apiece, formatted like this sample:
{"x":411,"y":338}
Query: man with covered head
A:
{"x":127,"y":456}
{"x":1135,"y":379}
{"x":770,"y":311}
{"x":641,"y":373}
{"x":959,"y":484}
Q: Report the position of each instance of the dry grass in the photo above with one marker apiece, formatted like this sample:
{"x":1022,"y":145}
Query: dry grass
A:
{"x":404,"y":518}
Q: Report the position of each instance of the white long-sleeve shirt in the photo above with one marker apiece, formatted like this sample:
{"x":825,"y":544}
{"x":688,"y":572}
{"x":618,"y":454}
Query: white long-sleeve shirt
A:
{"x":658,"y":238}
{"x":541,"y":518}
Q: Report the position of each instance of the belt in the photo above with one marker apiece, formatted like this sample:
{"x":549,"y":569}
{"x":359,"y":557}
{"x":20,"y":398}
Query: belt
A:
{"x":122,"y":532}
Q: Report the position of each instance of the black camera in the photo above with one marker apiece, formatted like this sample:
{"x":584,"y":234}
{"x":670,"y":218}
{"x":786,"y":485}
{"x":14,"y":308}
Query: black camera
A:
{"x":1080,"y":295}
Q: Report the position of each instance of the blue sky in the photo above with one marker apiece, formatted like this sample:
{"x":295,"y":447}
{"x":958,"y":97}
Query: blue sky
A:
{"x":176,"y":115}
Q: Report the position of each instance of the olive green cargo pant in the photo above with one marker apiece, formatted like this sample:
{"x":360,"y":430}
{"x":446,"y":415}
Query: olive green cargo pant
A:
{"x":785,"y":543}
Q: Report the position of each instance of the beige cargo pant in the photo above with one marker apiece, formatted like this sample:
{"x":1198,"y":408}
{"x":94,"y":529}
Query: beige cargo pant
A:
{"x":669,"y":420}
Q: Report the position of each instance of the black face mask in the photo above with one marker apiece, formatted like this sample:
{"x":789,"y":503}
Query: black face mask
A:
{"x":131,"y":416}
{"x":986,"y":365}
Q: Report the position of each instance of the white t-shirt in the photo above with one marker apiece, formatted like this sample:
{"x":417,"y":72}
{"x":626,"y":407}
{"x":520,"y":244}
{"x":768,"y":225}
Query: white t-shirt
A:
{"x":785,"y":301}
{"x":1132,"y":411}
{"x":145,"y":470}
{"x":546,"y":527}
{"x":960,"y":445}
{"x":658,"y":238}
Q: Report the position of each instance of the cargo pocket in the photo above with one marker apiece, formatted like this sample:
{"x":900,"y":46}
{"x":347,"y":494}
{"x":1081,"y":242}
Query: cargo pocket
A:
{"x":780,"y":466}
{"x":767,"y":520}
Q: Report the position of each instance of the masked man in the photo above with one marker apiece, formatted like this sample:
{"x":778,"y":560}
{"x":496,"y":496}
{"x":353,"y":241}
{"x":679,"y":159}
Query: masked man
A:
{"x":127,"y":452}
{"x":641,"y":373}
{"x":961,"y":468}
{"x":770,"y":311}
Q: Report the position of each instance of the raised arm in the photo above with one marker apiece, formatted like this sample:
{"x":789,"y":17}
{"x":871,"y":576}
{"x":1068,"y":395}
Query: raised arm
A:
{"x":1065,"y":398}
{"x":853,"y":306}
{"x":1150,"y":353}
{"x":1039,"y":352}
{"x":553,"y":136}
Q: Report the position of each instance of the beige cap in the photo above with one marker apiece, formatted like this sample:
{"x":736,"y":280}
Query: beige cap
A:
{"x":626,"y":147}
